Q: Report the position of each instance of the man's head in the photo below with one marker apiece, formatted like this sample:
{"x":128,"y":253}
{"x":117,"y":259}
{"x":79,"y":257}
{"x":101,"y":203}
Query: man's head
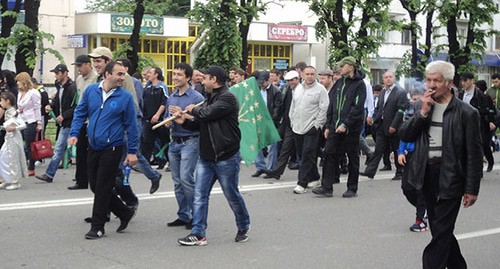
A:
{"x":197,"y":77}
{"x":61,"y":73}
{"x":336,"y":73}
{"x":467,"y":81}
{"x":439,"y":78}
{"x":182,"y":74}
{"x":263,"y":79}
{"x":389,"y":79}
{"x":376,"y":90}
{"x":309,"y":75}
{"x":232,"y":70}
{"x":83,"y":65}
{"x":292,"y":78}
{"x":239,"y":75}
{"x":347,"y":66}
{"x":275,"y":76}
{"x":101,"y":56}
{"x":214,"y":77}
{"x":326,"y":78}
{"x":126,"y":63}
{"x":495,"y":80}
{"x":114,"y":74}
{"x":155,"y":75}
{"x":299,"y":67}
{"x":145,"y":73}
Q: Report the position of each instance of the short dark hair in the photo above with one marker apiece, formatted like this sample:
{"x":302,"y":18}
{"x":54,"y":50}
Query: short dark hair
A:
{"x":109,"y":67}
{"x":10,"y":97}
{"x":467,"y":76}
{"x":481,"y":85}
{"x":188,"y":70}
{"x":125,"y":62}
{"x":241,"y":72}
{"x":233,"y":68}
{"x":377,"y":88}
{"x":495,"y":76}
{"x":301,"y":66}
{"x":159,"y":72}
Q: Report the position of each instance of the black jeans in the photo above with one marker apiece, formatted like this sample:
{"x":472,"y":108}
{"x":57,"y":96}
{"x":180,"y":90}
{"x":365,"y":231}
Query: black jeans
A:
{"x":29,"y":135}
{"x":287,"y":150}
{"x":337,"y":145}
{"x":102,"y":167}
{"x":413,"y":195}
{"x":82,"y":148}
{"x":149,"y":137}
{"x":443,"y":251}
{"x":382,"y":145}
{"x":307,"y":144}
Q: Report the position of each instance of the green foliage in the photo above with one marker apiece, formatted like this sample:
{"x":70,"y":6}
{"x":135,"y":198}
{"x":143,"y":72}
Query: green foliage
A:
{"x":177,"y":8}
{"x":144,"y":61}
{"x":222,"y":46}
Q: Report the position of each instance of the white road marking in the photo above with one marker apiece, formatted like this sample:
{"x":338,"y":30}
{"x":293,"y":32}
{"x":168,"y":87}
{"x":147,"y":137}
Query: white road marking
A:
{"x":478,"y":234}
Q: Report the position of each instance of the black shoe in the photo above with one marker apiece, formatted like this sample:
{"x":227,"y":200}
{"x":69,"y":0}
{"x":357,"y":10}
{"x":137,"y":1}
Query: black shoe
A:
{"x":385,"y":168}
{"x":272,"y":174}
{"x":189,"y":225}
{"x":94,"y":234}
{"x":76,"y":187}
{"x":397,"y":177}
{"x":349,"y":194}
{"x":168,"y":168}
{"x":45,"y":178}
{"x":177,"y":223}
{"x":323,"y":191}
{"x":490,"y":167}
{"x":241,"y":236}
{"x":293,"y":166}
{"x":155,"y":184}
{"x":258,"y":173}
{"x":89,"y":219}
{"x":365,"y":175}
{"x":124,"y":222}
{"x":161,"y":165}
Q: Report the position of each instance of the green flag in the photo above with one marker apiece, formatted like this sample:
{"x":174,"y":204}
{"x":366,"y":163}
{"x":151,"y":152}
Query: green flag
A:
{"x":256,"y":125}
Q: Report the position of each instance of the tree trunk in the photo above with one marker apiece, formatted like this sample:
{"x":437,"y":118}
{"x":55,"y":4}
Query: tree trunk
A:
{"x":244,"y":29}
{"x":454,"y":47}
{"x":7,"y":24}
{"x":415,"y":73}
{"x":28,"y":49}
{"x":428,"y":38}
{"x":132,"y":54}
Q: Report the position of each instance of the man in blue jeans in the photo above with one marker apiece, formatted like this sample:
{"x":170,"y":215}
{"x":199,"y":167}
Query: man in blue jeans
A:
{"x":63,"y":105}
{"x":183,"y":151}
{"x":217,"y":122}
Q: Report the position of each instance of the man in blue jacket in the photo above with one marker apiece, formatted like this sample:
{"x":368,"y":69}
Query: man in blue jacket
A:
{"x":111,"y":112}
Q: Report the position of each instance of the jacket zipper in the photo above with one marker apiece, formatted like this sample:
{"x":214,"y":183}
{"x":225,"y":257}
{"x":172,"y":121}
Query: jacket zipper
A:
{"x":98,"y":116}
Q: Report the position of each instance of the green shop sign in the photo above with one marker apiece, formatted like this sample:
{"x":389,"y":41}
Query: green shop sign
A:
{"x":125,"y":24}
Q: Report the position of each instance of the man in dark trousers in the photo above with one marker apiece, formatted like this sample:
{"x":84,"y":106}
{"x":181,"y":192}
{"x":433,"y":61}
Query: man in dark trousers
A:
{"x":389,"y":116}
{"x":447,"y":162}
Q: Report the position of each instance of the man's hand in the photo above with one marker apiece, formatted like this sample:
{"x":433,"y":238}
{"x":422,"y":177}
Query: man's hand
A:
{"x":72,"y":141}
{"x":154,"y":119}
{"x":180,"y":117}
{"x":59,"y":119}
{"x":326,"y":133}
{"x":341,"y":129}
{"x":392,"y":130}
{"x":131,"y":159}
{"x":10,"y":128}
{"x":469,"y":200}
{"x":48,"y":108}
{"x":369,"y":120}
{"x":190,"y":108}
{"x":402,"y":159}
{"x":427,"y":102}
{"x":174,"y":109}
{"x":492,"y":126}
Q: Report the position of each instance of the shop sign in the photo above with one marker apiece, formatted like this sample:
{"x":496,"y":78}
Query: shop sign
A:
{"x":76,"y":41}
{"x":125,"y":24}
{"x":281,"y":64}
{"x":286,"y":32}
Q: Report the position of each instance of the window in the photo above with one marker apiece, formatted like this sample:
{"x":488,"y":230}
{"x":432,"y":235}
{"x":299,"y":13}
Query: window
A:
{"x":406,"y":37}
{"x":497,"y":42}
{"x":377,"y":76}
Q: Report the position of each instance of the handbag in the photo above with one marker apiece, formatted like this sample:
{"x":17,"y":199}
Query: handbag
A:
{"x":41,"y":149}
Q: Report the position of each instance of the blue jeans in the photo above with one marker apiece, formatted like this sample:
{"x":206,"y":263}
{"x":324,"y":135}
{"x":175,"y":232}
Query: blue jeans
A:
{"x":227,"y":172}
{"x":59,"y":148}
{"x":183,"y":157}
{"x":272,"y":157}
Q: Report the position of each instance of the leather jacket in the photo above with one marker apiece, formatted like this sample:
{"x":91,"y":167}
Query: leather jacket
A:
{"x":462,"y":149}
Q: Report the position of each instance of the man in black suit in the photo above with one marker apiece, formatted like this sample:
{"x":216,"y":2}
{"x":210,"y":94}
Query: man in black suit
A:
{"x":389,"y":116}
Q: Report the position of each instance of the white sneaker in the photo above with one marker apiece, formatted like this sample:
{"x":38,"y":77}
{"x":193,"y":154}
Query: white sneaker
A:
{"x":40,"y":163}
{"x":13,"y":186}
{"x":299,"y":190}
{"x":313,"y":184}
{"x":3,"y":184}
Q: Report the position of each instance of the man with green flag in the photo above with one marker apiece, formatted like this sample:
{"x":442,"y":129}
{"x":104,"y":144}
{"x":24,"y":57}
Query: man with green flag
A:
{"x":257,"y":127}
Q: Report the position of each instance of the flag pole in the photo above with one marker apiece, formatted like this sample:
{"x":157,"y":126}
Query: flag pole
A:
{"x":165,"y":121}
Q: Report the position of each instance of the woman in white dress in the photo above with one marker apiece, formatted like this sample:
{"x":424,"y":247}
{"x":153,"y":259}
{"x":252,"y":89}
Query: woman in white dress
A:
{"x":12,"y":158}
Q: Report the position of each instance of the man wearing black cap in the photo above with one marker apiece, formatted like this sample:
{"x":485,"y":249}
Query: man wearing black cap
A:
{"x":63,"y":105}
{"x":474,"y":97}
{"x":217,"y":121}
{"x":273,"y":98}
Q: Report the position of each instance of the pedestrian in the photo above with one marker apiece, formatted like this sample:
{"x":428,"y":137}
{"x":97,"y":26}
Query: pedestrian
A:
{"x":63,"y":105}
{"x":12,"y":160}
{"x":29,"y":106}
{"x":110,"y":111}
{"x":447,"y":162}
{"x":217,"y":122}
{"x":183,"y":151}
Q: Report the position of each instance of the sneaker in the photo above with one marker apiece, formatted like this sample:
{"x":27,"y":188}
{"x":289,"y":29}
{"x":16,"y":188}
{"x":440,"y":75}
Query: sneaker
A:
{"x":241,"y":236}
{"x":313,"y":184}
{"x":13,"y":186}
{"x":40,"y":163}
{"x":323,"y":191}
{"x":94,"y":234}
{"x":192,"y":240}
{"x":299,"y":190}
{"x":349,"y":194}
{"x":3,"y":185}
{"x":419,"y":226}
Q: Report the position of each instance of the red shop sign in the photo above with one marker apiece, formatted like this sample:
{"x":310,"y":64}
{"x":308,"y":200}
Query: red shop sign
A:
{"x":286,"y":32}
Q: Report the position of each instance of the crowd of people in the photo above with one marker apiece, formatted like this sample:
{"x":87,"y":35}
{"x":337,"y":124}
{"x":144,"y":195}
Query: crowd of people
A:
{"x":437,"y":134}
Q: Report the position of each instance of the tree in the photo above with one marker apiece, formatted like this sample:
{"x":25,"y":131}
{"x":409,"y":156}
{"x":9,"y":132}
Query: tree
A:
{"x":178,"y":8}
{"x":134,"y":41}
{"x":250,"y":10}
{"x":9,"y":18}
{"x":478,"y":13}
{"x":352,"y":26}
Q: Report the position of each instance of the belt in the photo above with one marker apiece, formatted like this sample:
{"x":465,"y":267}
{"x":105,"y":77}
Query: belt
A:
{"x":434,"y":160}
{"x":182,"y":139}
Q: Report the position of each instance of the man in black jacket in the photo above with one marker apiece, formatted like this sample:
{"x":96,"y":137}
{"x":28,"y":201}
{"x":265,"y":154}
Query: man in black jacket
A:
{"x":217,"y":121}
{"x":447,"y":162}
{"x":63,"y":106}
{"x":483,"y":103}
{"x":389,"y":116}
{"x":345,"y":118}
{"x":273,"y":98}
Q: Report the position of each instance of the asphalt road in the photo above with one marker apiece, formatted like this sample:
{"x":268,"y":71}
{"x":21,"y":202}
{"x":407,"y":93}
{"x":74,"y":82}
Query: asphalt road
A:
{"x":41,"y":226}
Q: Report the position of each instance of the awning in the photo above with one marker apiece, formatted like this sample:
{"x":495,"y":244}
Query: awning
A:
{"x":490,"y":59}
